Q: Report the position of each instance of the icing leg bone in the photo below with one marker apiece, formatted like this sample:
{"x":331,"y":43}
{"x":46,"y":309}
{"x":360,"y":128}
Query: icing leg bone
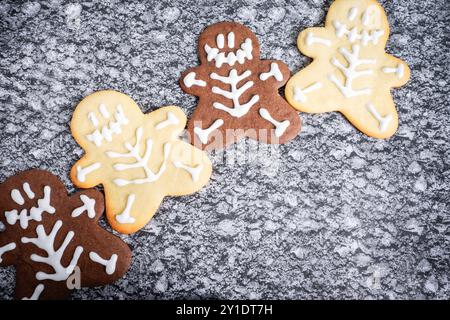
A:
{"x":37,"y":293}
{"x":383,"y":121}
{"x":125,"y":216}
{"x":280,"y":127}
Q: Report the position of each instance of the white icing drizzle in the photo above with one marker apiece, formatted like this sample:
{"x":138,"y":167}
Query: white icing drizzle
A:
{"x":82,"y":172}
{"x":203,"y":134}
{"x":88,"y":206}
{"x":16,"y":196}
{"x":350,"y":72}
{"x":193,"y":171}
{"x":399,"y":70}
{"x":231,"y":39}
{"x":352,"y":13}
{"x":274,"y":72}
{"x":300,"y":94}
{"x":310,"y":39}
{"x":28,"y":191}
{"x":280,"y":127}
{"x":104,"y":111}
{"x":53,"y":258}
{"x":383,"y":121}
{"x":93,"y":119}
{"x":35,"y":212}
{"x":114,"y":127}
{"x":124,"y":217}
{"x":6,"y":248}
{"x":190,"y":80}
{"x":245,"y":52}
{"x":110,"y":264}
{"x":365,"y":36}
{"x":220,"y":40}
{"x":36,"y":293}
{"x":171,"y":120}
{"x":141,"y":161}
{"x":371,"y":10}
{"x":233,"y":79}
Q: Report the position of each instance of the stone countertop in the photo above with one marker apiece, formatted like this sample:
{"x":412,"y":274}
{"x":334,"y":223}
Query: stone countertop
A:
{"x":333,"y":214}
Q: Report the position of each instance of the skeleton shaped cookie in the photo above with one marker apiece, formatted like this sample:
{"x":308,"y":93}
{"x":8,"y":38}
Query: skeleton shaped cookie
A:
{"x":238,"y":92}
{"x":137,"y":157}
{"x":54,"y":240}
{"x":351,"y":72}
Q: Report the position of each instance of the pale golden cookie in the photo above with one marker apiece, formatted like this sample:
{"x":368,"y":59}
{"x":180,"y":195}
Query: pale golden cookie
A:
{"x":138,"y":157}
{"x":351,"y":72}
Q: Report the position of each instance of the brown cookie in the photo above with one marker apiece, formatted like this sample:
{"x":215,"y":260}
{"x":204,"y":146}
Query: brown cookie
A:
{"x":238,"y":92}
{"x":54,"y":240}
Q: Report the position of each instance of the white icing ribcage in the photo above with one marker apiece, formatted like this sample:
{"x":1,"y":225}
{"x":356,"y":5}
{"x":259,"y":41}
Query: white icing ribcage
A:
{"x":171,"y":120}
{"x":350,"y":73}
{"x":300,"y":94}
{"x":125,"y":217}
{"x":383,"y":121}
{"x":140,"y":161}
{"x":54,"y":257}
{"x":245,"y":52}
{"x":353,"y":35}
{"x":193,"y":171}
{"x":107,"y":131}
{"x":190,"y":80}
{"x":35,"y":214}
{"x":273,"y":72}
{"x":280,"y":127}
{"x":110,"y":264}
{"x":238,"y":110}
{"x":88,"y":206}
{"x":203,"y":134}
{"x":36,"y":293}
{"x":6,"y":248}
{"x":83,"y":172}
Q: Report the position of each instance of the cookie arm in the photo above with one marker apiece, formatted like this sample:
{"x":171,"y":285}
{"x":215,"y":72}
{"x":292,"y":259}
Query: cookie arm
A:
{"x":395,"y":71}
{"x":273,"y":73}
{"x":314,"y":42}
{"x":194,"y":81}
{"x":8,"y":249}
{"x":87,"y":204}
{"x":87,"y":172}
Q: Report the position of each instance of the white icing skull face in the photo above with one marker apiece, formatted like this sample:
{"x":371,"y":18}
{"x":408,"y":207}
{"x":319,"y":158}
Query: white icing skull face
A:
{"x":228,"y":48}
{"x":359,"y":22}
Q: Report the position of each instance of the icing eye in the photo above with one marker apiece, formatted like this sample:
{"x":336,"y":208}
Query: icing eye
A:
{"x":371,"y":17}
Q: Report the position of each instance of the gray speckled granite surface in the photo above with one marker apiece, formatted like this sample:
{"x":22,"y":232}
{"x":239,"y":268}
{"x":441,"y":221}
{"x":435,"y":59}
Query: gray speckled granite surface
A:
{"x":333,"y":214}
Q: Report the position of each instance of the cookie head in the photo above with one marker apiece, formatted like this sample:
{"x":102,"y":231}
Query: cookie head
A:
{"x":227,"y":44}
{"x":357,"y":20}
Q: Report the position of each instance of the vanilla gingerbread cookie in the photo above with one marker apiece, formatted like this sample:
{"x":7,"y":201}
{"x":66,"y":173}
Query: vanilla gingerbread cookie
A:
{"x":54,"y":240}
{"x":138,"y":157}
{"x":351,"y":71}
{"x":238,"y":92}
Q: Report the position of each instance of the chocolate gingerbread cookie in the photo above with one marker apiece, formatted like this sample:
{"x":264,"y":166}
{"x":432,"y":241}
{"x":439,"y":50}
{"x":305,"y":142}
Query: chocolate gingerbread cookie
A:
{"x":54,"y":240}
{"x":238,"y":92}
